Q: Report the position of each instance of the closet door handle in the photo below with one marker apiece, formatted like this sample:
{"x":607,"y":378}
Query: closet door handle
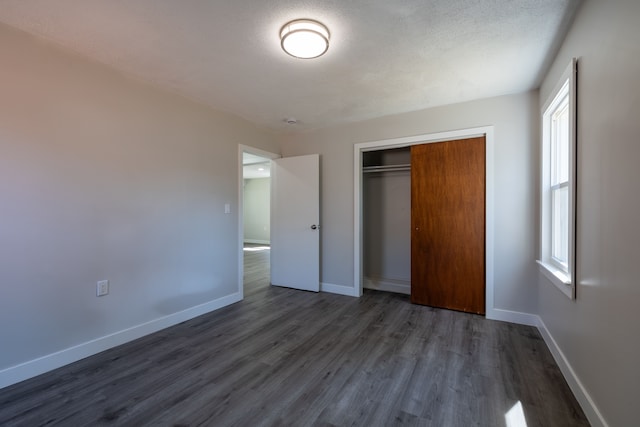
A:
{"x":315,"y":227}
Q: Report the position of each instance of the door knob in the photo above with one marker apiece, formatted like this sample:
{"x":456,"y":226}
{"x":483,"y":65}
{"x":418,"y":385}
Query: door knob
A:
{"x":315,"y":227}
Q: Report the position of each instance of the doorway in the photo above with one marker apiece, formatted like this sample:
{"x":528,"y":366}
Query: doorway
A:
{"x":294,"y":241}
{"x":254,"y":219}
{"x":362,"y":148}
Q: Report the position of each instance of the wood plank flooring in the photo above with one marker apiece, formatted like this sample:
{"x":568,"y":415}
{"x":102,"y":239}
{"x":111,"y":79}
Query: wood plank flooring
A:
{"x":294,"y":358}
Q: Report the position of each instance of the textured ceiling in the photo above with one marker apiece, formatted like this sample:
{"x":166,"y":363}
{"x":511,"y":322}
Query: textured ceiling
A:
{"x":386,"y":56}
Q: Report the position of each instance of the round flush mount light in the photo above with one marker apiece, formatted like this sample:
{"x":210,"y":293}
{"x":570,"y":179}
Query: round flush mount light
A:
{"x":304,"y":38}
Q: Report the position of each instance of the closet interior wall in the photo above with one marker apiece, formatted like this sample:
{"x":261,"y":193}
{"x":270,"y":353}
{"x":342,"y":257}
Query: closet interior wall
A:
{"x":387,"y":220}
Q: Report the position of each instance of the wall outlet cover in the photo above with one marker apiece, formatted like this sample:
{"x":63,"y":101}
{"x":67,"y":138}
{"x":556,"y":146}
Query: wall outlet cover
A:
{"x":102,"y":288}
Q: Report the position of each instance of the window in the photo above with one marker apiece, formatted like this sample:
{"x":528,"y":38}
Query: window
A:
{"x":557,"y":240}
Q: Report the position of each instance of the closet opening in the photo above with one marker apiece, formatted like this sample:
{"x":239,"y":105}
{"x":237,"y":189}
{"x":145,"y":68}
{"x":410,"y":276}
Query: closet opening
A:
{"x":390,"y":233}
{"x":386,"y":220}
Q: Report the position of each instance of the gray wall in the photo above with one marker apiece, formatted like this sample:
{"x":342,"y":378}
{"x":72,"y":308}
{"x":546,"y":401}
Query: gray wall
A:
{"x":516,"y":121}
{"x":598,"y":332}
{"x":257,"y":203}
{"x":102,"y":177}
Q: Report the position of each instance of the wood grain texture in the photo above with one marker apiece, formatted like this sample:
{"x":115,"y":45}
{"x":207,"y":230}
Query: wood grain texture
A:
{"x":448,"y":224}
{"x":295,"y":358}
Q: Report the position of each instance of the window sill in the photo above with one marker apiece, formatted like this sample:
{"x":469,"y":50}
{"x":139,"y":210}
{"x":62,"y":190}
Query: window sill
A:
{"x":558,"y":277}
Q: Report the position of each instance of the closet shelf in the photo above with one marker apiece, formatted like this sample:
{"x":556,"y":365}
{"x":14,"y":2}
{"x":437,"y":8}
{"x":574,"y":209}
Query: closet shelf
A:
{"x":388,"y":168}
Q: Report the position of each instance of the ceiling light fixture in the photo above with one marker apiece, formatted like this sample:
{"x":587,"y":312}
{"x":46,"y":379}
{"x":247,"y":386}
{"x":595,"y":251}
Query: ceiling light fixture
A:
{"x":304,"y":38}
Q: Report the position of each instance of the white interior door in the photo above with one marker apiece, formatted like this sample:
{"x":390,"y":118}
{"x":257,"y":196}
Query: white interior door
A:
{"x":295,"y":214}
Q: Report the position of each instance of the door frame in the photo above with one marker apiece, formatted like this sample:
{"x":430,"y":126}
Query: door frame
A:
{"x":258,"y":152}
{"x":360,"y":148}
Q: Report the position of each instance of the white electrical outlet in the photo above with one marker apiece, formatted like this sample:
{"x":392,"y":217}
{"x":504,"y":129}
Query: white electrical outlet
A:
{"x":102,"y":288}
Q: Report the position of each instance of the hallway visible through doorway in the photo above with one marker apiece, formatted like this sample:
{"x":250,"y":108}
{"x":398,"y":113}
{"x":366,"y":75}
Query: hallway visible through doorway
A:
{"x":256,"y":267}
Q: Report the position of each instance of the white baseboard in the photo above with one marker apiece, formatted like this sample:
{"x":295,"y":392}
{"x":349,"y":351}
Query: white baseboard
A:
{"x":32,"y":368}
{"x":582,"y":396}
{"x":512,"y":317}
{"x":257,"y":242}
{"x":387,"y":285}
{"x":338,"y":289}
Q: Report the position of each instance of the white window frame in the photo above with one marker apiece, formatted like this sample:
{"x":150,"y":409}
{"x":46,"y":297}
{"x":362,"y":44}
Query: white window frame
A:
{"x":561,"y":274}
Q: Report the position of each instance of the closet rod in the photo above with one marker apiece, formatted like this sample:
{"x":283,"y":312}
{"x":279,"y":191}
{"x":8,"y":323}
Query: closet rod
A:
{"x":389,"y":168}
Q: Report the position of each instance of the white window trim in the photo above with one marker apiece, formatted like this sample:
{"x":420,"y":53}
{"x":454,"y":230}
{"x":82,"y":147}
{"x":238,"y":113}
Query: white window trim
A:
{"x":564,"y":280}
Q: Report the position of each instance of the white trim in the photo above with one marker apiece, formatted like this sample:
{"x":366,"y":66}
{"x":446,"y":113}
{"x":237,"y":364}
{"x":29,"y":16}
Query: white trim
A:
{"x":558,"y":277}
{"x":387,"y":285}
{"x":488,"y":133}
{"x":357,"y":219}
{"x":338,"y":289}
{"x":579,"y":391}
{"x":60,"y":358}
{"x":514,"y":317}
{"x":258,"y":152}
{"x":564,"y":281}
{"x":489,"y":226}
{"x":257,"y":242}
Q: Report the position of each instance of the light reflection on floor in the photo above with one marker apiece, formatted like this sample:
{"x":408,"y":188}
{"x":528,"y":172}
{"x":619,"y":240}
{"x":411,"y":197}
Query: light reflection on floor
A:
{"x":515,"y":416}
{"x":256,"y":248}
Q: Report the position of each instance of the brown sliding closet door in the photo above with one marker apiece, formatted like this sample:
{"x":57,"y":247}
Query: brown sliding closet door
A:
{"x":447,"y":224}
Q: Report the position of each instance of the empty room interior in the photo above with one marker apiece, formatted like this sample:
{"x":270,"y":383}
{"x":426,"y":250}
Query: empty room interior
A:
{"x":372,"y":213}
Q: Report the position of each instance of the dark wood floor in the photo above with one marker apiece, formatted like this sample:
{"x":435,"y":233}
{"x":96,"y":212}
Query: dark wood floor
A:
{"x":286,"y":357}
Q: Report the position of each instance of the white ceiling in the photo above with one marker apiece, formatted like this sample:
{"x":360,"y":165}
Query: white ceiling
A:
{"x":385,"y":57}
